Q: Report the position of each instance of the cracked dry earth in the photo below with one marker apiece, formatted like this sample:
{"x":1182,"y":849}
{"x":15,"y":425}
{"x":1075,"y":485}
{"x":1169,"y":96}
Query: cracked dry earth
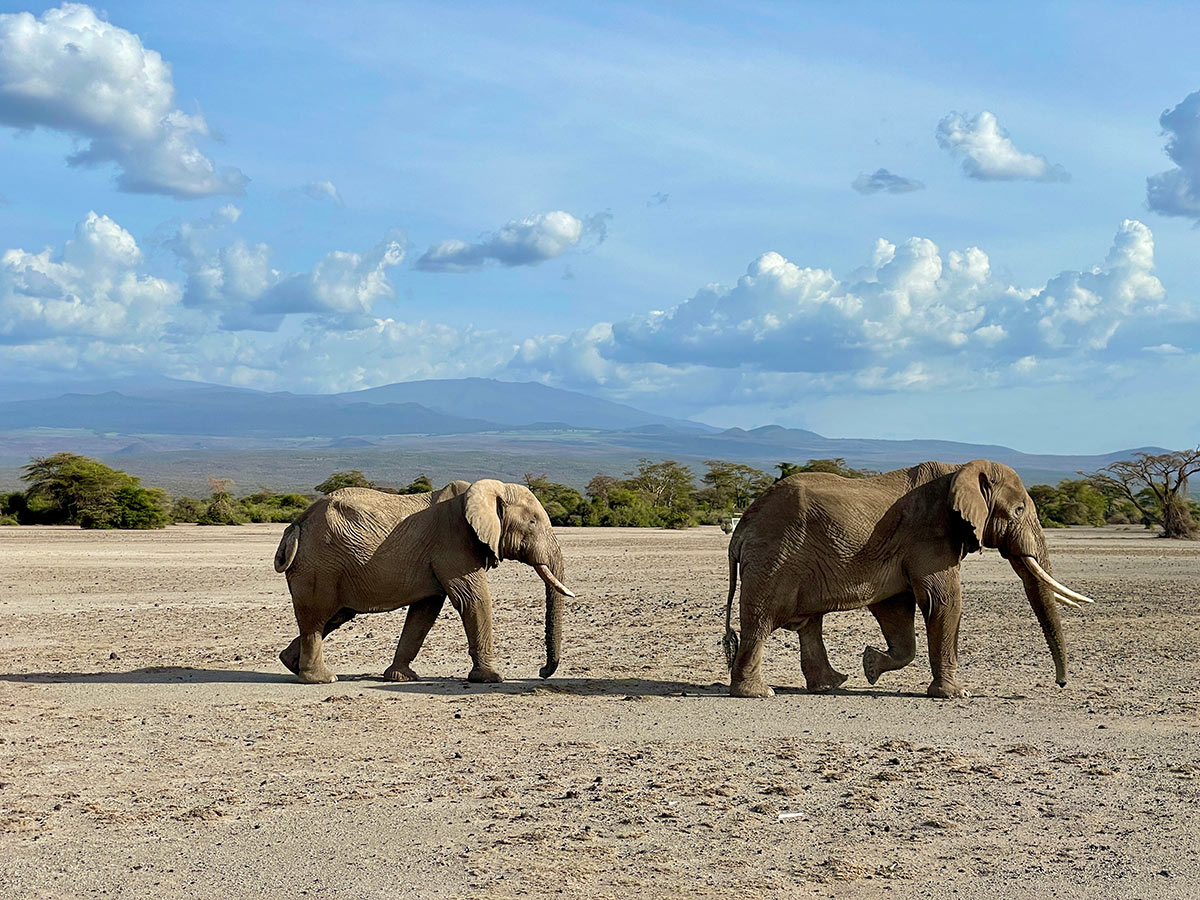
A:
{"x":152,"y":746}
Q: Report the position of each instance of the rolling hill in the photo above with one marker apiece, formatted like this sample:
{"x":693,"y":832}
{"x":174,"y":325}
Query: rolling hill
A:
{"x":177,"y":434}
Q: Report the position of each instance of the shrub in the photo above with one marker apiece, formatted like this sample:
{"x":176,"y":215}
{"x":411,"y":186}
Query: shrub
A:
{"x":188,"y":509}
{"x":132,"y":507}
{"x":14,"y":506}
{"x":267,"y":506}
{"x":419,"y":485}
{"x":349,"y":478}
{"x":222,"y":509}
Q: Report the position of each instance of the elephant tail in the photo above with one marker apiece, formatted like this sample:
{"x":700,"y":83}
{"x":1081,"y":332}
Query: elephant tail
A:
{"x":730,"y":641}
{"x":288,"y":545}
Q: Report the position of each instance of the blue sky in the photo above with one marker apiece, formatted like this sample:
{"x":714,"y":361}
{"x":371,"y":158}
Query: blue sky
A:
{"x":868,"y":220}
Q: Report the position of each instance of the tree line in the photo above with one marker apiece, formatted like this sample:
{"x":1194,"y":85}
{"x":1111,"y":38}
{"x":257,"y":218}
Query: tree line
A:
{"x":69,"y":489}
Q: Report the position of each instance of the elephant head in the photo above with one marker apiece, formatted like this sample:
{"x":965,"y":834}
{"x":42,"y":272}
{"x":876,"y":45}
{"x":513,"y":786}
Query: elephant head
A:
{"x":996,"y":511}
{"x":510,"y":522}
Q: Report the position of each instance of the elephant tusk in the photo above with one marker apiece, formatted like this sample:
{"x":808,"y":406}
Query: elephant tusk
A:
{"x":547,"y":576}
{"x":1066,"y":601}
{"x":1058,"y":586}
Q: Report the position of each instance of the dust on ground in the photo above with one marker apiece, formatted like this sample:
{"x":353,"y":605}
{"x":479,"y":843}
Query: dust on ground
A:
{"x":151,"y":745}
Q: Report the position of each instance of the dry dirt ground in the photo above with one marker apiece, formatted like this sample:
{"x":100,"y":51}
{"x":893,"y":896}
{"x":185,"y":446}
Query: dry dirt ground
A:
{"x":152,"y":746}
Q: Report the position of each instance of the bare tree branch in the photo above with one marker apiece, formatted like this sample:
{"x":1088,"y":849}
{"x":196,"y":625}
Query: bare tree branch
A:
{"x":1166,"y":476}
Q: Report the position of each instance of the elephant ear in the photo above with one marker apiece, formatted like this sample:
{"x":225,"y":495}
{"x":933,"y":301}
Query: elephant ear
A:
{"x":484,"y":502}
{"x":970,"y":491}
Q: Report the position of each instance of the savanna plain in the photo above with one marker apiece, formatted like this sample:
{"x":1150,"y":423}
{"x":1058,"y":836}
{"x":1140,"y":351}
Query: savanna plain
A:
{"x":151,"y":745}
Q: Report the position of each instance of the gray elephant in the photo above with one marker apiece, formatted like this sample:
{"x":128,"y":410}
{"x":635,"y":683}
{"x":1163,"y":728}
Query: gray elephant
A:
{"x":816,"y":543}
{"x":360,"y":550}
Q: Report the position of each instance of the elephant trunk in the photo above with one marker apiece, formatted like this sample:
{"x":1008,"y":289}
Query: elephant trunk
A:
{"x":554,"y":614}
{"x":1042,"y":598}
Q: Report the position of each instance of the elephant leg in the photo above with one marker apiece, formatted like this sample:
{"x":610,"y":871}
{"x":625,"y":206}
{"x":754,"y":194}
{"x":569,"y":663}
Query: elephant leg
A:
{"x":746,"y":679}
{"x":310,"y":601}
{"x":290,"y":655}
{"x":897,"y":618}
{"x":420,"y":618}
{"x":473,"y":600}
{"x":312,"y":656}
{"x":818,"y":673}
{"x":940,"y":599}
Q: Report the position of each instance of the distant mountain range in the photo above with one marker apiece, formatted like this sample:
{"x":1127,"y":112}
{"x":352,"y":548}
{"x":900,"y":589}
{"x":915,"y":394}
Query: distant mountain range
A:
{"x":177,"y":434}
{"x":446,"y":406}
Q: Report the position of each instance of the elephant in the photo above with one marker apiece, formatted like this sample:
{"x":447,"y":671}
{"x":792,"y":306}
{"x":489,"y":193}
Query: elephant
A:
{"x":815,"y":543}
{"x":364,"y":551}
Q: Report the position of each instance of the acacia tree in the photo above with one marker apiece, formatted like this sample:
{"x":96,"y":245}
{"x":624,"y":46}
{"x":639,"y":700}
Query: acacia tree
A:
{"x":1165,"y":476}
{"x":732,"y":486}
{"x":835,"y":466}
{"x":601,"y":486}
{"x":70,"y":489}
{"x":69,"y":485}
{"x":667,"y":485}
{"x":349,"y":478}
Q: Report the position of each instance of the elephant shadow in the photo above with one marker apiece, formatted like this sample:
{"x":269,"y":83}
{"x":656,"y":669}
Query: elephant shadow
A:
{"x":436,"y":686}
{"x":152,"y":675}
{"x":627,"y":688}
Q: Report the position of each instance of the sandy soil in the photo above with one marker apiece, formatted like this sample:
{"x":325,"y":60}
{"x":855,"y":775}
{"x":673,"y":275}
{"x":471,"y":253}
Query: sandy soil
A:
{"x":152,"y":746}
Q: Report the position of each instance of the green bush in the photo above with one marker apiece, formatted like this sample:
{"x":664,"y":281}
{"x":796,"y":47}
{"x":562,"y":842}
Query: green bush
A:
{"x":188,"y":509}
{"x":1071,"y":502}
{"x":132,"y":507}
{"x":14,"y":506}
{"x":222,"y":509}
{"x":419,"y":485}
{"x":835,"y":466}
{"x":267,"y":506}
{"x":561,"y":502}
{"x":338,"y":480}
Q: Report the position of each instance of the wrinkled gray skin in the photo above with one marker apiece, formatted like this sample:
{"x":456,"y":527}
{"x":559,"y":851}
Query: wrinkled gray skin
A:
{"x":360,"y":550}
{"x":816,"y":543}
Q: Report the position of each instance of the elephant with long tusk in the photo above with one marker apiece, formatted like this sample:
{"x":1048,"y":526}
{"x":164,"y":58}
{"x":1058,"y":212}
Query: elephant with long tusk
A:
{"x":359,"y":551}
{"x":816,"y":543}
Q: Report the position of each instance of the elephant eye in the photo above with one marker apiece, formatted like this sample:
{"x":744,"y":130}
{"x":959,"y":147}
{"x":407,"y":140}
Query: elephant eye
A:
{"x":1021,"y":510}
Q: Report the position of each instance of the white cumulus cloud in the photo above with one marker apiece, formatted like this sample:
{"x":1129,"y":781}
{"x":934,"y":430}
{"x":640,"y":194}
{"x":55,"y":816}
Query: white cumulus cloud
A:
{"x":1176,"y":192}
{"x":1083,"y":310}
{"x":988,"y":153}
{"x":73,"y":72}
{"x":522,"y":242}
{"x":343,"y":284}
{"x":92,"y":289}
{"x":915,"y":317}
{"x":238,"y":283}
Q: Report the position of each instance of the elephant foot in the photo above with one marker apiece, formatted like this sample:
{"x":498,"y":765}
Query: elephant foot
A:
{"x":480,"y":675}
{"x":873,"y":662}
{"x":751,"y":689}
{"x":827,"y":681}
{"x":323,"y":675}
{"x":290,"y":656}
{"x":947,"y":690}
{"x":400,"y":673}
